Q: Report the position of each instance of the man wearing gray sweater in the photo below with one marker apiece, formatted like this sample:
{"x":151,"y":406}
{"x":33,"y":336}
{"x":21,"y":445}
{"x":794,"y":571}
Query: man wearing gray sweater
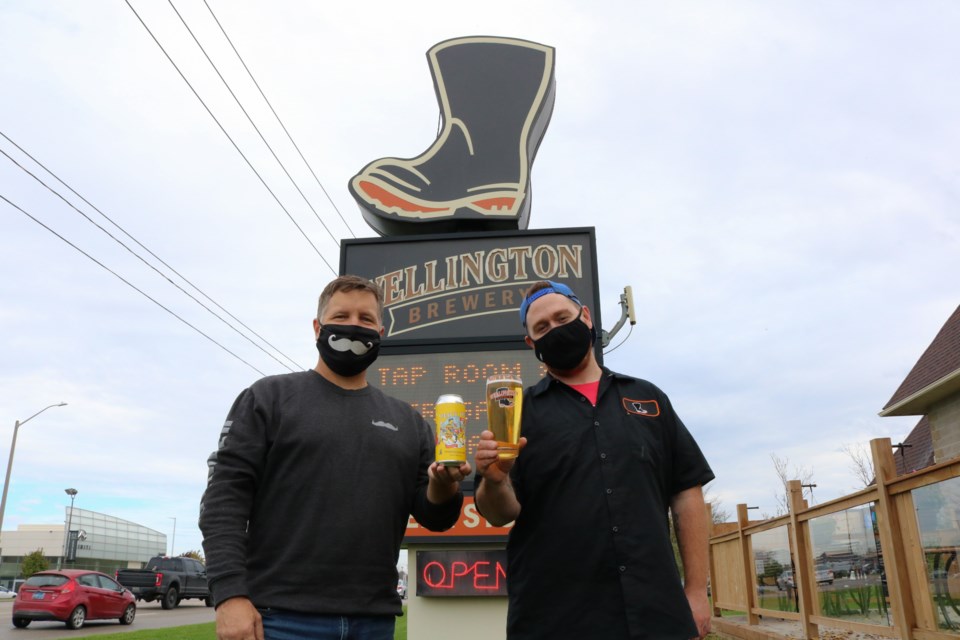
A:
{"x":311,"y":487}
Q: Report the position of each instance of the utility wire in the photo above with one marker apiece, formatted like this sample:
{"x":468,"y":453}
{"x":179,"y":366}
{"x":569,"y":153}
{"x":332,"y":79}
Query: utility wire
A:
{"x":129,"y":284}
{"x":139,"y":257}
{"x":141,"y":245}
{"x":620,"y":344}
{"x":290,"y":137}
{"x":253,"y":124}
{"x":249,"y":164}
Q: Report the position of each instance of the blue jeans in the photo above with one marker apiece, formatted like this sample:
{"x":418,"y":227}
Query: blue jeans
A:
{"x":292,"y":625}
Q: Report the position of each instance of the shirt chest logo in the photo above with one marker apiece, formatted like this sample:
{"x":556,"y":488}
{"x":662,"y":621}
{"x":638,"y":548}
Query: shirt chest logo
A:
{"x":385,"y":425}
{"x":645,"y":408}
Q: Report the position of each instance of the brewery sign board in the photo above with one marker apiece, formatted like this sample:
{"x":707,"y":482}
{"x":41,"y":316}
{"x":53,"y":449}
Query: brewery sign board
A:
{"x":467,"y":288}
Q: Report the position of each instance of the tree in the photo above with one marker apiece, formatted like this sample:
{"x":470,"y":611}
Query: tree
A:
{"x":771,"y":571}
{"x":861,"y":463}
{"x":196,"y":554}
{"x":33,"y":562}
{"x":782,"y":468}
{"x":718,"y":513}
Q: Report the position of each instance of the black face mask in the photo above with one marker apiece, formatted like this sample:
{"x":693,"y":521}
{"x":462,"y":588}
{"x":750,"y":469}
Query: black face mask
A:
{"x":348,"y":349}
{"x":564,"y":347}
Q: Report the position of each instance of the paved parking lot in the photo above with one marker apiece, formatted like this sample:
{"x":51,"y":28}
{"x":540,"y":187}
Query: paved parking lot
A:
{"x":149,"y":616}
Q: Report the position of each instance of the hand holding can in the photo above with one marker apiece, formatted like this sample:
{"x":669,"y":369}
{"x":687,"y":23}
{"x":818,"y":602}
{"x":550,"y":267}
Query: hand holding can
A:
{"x":504,"y":403}
{"x":451,"y":418}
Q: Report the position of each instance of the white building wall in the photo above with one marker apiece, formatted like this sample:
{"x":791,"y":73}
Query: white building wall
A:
{"x":104,"y":537}
{"x":30,"y":537}
{"x":944,"y":420}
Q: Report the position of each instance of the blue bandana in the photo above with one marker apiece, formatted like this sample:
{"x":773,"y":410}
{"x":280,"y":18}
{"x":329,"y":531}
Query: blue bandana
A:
{"x":555,"y":287}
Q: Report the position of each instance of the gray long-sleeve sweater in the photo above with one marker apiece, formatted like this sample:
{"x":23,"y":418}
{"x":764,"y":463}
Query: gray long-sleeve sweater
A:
{"x":309,"y":495}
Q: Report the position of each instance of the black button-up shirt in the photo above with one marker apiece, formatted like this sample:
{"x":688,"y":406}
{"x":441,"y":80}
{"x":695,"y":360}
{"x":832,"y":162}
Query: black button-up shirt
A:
{"x":590,"y":554}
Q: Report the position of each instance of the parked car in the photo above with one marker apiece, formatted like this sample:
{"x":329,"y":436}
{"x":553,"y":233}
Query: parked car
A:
{"x":401,"y":588}
{"x":72,"y":596}
{"x":785,"y":580}
{"x":824,"y":576}
{"x":7,"y":594}
{"x":168,"y":580}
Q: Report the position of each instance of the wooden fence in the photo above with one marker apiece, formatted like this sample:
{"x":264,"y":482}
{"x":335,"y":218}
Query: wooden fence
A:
{"x":896,"y":574}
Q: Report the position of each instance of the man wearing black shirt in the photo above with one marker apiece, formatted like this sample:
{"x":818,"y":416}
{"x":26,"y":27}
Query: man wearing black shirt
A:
{"x":311,"y":488}
{"x":603,"y":459}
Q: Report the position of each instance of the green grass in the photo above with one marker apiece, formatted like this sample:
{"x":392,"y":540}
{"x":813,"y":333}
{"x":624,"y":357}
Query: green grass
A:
{"x":777,"y":601}
{"x":207,"y":631}
{"x":400,"y":633}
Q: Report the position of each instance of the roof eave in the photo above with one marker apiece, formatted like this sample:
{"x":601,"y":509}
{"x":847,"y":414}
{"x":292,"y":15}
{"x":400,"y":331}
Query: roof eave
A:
{"x":917,"y":403}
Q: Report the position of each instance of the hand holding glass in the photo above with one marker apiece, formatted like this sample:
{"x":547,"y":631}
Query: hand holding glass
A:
{"x":504,"y":402}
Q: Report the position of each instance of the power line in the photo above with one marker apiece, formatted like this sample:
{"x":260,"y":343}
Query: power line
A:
{"x":138,"y":256}
{"x":249,"y":164}
{"x":142,"y":246}
{"x":620,"y":344}
{"x":129,"y":284}
{"x":253,"y":124}
{"x":290,"y":137}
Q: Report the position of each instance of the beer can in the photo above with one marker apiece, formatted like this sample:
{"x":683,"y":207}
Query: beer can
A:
{"x":450,"y":415}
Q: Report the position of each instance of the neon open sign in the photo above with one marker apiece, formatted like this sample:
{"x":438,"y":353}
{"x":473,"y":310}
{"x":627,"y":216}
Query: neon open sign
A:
{"x":462,"y":573}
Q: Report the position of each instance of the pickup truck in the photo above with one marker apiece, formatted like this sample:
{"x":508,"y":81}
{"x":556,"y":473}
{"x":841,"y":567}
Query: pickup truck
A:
{"x":169,"y":580}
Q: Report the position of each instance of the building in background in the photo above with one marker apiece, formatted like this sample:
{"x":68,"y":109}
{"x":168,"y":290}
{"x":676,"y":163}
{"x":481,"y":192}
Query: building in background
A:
{"x":932,"y":390}
{"x":97,"y":541}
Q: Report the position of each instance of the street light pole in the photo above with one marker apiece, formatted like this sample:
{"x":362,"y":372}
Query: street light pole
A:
{"x":66,"y":535}
{"x":13,"y":446}
{"x":173,"y":540}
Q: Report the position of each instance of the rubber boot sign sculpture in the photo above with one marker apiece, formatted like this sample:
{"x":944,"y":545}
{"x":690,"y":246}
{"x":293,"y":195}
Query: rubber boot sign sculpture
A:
{"x":496,"y":97}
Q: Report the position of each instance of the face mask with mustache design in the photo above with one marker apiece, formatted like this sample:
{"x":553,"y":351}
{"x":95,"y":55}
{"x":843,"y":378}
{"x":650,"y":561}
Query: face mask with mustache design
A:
{"x":348,"y":349}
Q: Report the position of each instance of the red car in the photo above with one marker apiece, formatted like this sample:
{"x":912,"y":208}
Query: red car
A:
{"x":72,"y":596}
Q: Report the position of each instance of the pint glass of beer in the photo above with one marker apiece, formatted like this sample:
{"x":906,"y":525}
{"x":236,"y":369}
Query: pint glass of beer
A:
{"x":504,"y":401}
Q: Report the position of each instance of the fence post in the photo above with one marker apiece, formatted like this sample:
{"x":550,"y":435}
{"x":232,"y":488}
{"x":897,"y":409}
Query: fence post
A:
{"x":891,"y":540}
{"x":748,"y":570}
{"x":802,"y":579}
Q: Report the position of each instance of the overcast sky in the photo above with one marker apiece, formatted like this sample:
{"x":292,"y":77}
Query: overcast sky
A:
{"x":777,"y":181}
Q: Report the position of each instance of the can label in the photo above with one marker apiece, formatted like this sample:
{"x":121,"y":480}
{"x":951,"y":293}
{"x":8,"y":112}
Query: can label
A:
{"x":451,"y":416}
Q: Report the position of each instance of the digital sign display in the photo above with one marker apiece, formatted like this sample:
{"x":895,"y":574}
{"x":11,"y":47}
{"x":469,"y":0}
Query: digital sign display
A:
{"x":421,"y":378}
{"x":462,"y":573}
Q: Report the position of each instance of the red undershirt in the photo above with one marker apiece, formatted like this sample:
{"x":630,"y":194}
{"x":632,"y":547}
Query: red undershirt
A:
{"x":588,"y":390}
